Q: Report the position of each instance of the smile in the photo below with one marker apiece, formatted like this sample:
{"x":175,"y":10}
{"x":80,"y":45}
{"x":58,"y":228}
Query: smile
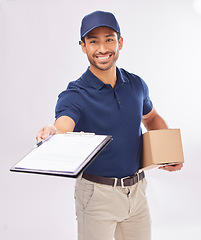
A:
{"x":104,"y":58}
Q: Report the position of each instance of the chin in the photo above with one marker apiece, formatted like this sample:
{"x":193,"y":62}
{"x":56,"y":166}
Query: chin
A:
{"x":104,"y":67}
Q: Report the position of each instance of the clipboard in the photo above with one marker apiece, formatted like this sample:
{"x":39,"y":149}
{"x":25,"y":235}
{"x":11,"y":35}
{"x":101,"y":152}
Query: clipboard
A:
{"x":64,"y":155}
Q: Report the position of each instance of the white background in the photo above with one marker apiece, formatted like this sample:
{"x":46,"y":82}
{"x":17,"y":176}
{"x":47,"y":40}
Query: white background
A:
{"x":39,"y":55}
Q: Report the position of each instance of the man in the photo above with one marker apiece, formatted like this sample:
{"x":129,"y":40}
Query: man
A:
{"x":110,"y":194}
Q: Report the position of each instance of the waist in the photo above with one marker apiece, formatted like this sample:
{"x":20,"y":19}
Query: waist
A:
{"x":123,"y":182}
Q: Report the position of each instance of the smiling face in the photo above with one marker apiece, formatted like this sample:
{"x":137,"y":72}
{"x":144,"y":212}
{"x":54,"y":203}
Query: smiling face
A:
{"x":102,"y":48}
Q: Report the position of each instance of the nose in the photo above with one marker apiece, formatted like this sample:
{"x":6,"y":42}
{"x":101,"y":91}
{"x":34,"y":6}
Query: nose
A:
{"x":102,"y":48}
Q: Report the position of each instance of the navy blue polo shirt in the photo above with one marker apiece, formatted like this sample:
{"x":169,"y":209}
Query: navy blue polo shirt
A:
{"x":99,"y":108}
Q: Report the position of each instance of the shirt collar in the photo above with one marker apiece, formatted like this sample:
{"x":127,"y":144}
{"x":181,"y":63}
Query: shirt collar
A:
{"x":121,"y":77}
{"x":98,"y":84}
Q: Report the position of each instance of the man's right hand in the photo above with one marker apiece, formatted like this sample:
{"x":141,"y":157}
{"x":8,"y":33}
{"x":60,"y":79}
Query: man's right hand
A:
{"x":46,"y":132}
{"x":62,"y":125}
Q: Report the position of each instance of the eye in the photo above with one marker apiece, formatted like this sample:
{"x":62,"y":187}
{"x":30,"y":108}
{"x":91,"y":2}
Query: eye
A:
{"x":93,"y":41}
{"x":110,"y":40}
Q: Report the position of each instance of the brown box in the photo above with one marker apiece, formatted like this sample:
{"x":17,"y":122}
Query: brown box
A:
{"x":161,"y":147}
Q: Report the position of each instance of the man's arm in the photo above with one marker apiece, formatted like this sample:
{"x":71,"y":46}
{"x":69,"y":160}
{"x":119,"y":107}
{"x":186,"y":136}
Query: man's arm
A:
{"x":153,"y":121}
{"x":62,"y":125}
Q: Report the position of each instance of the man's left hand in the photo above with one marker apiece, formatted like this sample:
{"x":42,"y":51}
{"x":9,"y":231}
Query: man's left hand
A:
{"x":172,"y":168}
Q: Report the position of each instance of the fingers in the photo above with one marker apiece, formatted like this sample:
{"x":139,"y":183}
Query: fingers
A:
{"x":172,"y":168}
{"x":46,"y":132}
{"x":41,"y":135}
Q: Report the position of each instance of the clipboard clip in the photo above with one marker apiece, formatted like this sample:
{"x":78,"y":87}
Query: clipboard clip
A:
{"x":81,"y":134}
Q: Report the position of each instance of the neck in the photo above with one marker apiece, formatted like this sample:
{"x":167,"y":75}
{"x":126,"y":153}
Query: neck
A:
{"x":108,"y":77}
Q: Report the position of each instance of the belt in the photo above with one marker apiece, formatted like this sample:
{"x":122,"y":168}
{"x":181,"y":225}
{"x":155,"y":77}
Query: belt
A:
{"x":123,"y":182}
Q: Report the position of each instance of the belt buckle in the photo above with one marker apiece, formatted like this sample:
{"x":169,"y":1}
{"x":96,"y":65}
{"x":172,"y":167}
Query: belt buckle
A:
{"x":115,"y":182}
{"x":122,"y":181}
{"x":138,"y":176}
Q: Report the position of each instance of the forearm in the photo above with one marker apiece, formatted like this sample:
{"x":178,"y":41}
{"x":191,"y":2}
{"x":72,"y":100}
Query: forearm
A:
{"x":154,"y":122}
{"x":62,"y":125}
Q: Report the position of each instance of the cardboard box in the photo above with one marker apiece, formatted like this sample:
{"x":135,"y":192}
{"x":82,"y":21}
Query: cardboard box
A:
{"x":161,"y":147}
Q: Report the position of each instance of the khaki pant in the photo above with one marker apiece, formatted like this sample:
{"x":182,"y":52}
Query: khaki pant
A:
{"x":105,"y":212}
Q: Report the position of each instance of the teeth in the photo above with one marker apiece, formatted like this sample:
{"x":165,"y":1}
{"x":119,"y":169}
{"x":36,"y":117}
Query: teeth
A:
{"x":103,"y":58}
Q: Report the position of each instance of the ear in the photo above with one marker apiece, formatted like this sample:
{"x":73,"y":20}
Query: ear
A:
{"x":83,"y":46}
{"x":120,"y":43}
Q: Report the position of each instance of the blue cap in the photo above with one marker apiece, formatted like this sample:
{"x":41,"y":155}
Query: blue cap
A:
{"x":98,"y":19}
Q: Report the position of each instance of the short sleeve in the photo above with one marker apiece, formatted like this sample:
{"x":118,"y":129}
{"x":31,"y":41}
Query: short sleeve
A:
{"x":147,"y":103}
{"x":68,"y":104}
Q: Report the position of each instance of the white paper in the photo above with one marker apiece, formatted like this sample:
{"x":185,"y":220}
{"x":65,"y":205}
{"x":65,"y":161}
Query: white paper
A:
{"x":62,"y":152}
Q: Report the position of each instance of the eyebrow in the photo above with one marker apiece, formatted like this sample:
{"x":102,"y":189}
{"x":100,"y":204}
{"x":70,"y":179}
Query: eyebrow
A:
{"x":109,"y":35}
{"x":89,"y":37}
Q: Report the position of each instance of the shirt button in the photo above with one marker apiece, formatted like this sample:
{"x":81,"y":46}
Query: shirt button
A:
{"x":119,"y":102}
